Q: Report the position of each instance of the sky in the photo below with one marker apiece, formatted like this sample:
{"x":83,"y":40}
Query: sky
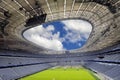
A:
{"x":60,"y":35}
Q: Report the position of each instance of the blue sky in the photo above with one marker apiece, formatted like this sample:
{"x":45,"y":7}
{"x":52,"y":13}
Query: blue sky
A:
{"x":60,"y":35}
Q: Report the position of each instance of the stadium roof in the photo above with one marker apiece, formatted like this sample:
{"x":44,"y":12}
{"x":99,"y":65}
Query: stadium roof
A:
{"x":102,"y":14}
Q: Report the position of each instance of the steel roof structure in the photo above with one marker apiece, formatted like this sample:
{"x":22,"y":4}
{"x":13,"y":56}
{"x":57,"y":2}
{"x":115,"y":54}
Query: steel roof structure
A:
{"x":102,"y":14}
{"x":19,"y":57}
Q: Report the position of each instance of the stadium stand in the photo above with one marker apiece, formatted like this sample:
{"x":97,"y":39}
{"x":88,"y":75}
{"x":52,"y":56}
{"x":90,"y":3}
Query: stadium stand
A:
{"x":19,"y":57}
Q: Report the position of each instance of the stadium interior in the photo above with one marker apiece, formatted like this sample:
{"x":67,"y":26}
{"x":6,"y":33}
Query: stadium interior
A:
{"x":19,"y":57}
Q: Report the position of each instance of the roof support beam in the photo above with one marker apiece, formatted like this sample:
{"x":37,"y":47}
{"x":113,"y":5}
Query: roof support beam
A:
{"x":72,"y":7}
{"x":64,"y":8}
{"x":31,"y":7}
{"x":48,"y":5}
{"x":79,"y":8}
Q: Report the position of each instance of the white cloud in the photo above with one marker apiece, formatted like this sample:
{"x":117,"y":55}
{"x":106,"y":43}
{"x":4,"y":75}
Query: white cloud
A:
{"x":72,"y":36}
{"x":47,"y":43}
{"x":77,"y":30}
{"x":78,"y":25}
{"x":50,"y":28}
{"x":44,"y":37}
{"x":80,"y":44}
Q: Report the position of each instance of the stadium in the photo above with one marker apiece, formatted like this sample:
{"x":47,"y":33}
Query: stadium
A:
{"x":23,"y":26}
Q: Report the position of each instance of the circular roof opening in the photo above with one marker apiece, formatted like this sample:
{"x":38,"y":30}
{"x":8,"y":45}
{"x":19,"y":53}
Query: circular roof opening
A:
{"x":60,"y":35}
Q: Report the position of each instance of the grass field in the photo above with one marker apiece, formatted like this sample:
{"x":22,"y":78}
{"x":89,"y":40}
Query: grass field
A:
{"x":62,"y":73}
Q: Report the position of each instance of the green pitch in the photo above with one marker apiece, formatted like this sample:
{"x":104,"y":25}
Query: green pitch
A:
{"x":62,"y":73}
